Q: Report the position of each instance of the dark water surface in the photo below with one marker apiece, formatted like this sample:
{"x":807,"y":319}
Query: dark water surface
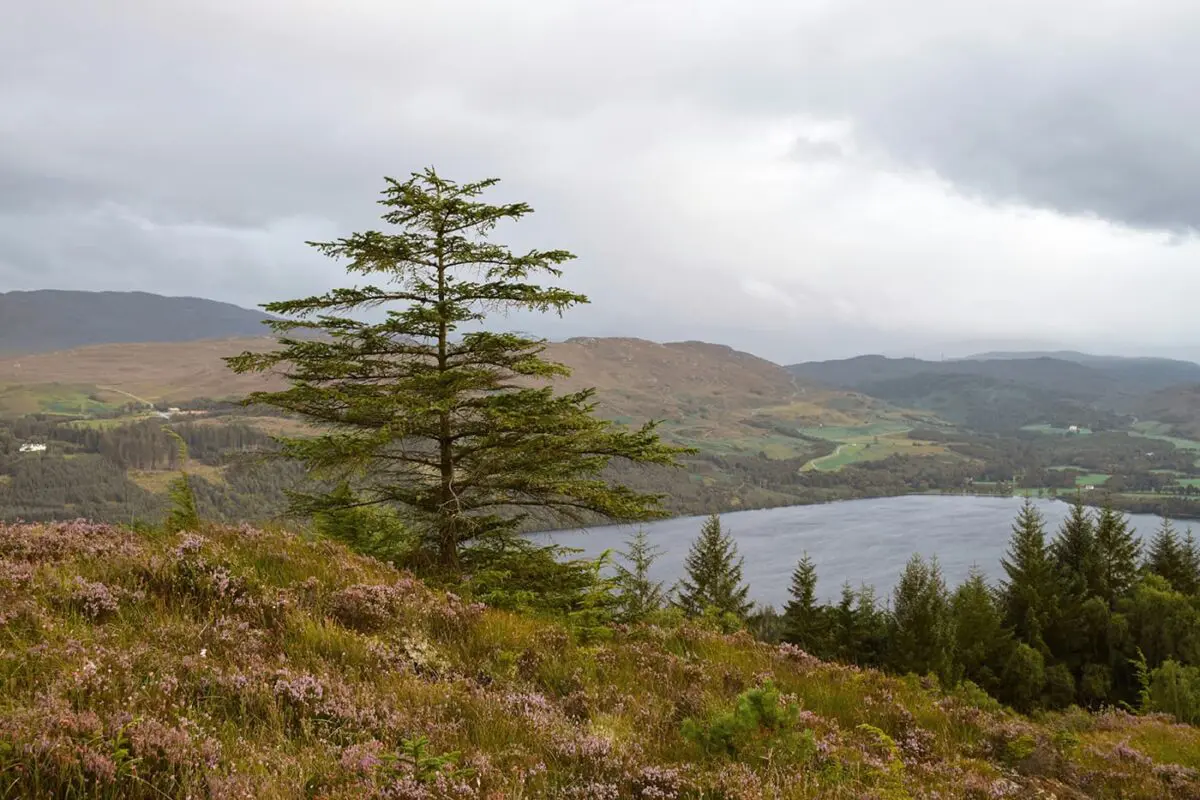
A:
{"x":862,"y":541}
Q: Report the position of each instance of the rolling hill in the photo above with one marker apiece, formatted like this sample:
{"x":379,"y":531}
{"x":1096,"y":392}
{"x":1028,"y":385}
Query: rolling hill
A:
{"x":705,"y":393}
{"x":1002,"y":391}
{"x":49,"y":320}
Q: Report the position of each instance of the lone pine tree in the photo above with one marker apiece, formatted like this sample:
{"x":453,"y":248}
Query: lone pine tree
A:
{"x":423,"y":410}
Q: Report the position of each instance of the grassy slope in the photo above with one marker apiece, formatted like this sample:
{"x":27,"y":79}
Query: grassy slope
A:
{"x":240,"y":663}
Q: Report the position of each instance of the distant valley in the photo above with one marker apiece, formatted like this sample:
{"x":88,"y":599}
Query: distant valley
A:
{"x":765,"y":435}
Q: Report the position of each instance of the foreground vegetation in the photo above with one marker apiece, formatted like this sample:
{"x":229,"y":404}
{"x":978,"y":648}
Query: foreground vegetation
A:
{"x":238,"y":662}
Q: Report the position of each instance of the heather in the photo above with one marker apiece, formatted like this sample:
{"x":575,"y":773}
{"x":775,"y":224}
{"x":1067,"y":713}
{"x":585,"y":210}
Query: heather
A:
{"x":232,"y":662}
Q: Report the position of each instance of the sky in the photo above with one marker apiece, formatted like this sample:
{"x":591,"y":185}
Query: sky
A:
{"x":801,"y":179}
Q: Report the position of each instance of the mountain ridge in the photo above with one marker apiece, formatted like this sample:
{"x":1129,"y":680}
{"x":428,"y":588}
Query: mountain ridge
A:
{"x":48,"y":320}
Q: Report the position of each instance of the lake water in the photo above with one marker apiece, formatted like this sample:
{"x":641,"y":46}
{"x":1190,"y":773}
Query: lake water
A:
{"x":862,"y":541}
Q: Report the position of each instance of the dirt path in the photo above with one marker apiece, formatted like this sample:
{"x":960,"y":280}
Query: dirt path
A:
{"x":141,"y":400}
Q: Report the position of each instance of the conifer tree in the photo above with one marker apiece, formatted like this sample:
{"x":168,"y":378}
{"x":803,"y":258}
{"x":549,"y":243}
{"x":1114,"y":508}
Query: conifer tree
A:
{"x":424,"y":410}
{"x":981,"y":642}
{"x":844,"y":627}
{"x":1191,"y":565}
{"x":637,"y":594}
{"x":871,"y":628}
{"x":1167,"y":557}
{"x":921,"y":639}
{"x":714,"y":575}
{"x":1117,"y":554}
{"x":1074,"y":552}
{"x":1028,"y":596}
{"x":804,"y":618}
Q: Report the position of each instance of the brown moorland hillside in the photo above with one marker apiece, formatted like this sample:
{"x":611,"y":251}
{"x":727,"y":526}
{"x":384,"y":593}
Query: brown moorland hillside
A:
{"x":712,"y":387}
{"x":154,"y":371}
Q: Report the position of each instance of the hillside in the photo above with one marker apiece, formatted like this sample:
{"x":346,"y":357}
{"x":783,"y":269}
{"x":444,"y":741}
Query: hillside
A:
{"x":704,"y":391}
{"x":1029,"y":387}
{"x":240,"y":663}
{"x":1177,"y":407}
{"x":49,"y":320}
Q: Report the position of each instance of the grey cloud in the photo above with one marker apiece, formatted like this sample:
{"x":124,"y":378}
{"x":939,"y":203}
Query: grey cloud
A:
{"x":1102,"y":130}
{"x":190,"y":148}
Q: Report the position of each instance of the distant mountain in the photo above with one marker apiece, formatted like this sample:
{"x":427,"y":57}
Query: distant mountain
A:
{"x":999,"y":391}
{"x":1066,"y":377}
{"x":1109,"y":380}
{"x":49,"y":320}
{"x":1145,"y":371}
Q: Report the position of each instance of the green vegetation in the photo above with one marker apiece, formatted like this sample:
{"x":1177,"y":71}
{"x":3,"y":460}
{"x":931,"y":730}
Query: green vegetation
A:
{"x":55,"y":398}
{"x":713,"y":586}
{"x":240,"y":662}
{"x":1080,"y":620}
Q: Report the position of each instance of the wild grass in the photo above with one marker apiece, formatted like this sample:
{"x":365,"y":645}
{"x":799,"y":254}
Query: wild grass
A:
{"x":239,"y":662}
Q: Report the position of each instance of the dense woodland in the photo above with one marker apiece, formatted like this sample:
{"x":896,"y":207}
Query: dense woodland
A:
{"x":1092,"y":615}
{"x":86,"y":470}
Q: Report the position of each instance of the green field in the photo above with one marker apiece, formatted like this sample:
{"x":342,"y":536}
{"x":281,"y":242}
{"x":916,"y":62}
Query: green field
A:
{"x":872,"y":442}
{"x":838,"y":433}
{"x":56,"y":398}
{"x":1091,"y":479}
{"x":1180,"y":444}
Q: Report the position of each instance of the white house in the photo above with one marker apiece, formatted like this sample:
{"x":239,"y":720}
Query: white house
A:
{"x":33,"y":448}
{"x":1072,"y":429}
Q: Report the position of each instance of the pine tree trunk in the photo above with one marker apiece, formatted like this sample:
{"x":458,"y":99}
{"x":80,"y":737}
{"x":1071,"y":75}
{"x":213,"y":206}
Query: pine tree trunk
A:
{"x":447,"y":536}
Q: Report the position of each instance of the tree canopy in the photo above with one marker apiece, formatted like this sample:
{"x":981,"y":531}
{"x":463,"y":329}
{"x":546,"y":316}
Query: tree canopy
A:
{"x":423,"y":409}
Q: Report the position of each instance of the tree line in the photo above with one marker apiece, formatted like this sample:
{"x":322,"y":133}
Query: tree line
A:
{"x":1088,"y":617}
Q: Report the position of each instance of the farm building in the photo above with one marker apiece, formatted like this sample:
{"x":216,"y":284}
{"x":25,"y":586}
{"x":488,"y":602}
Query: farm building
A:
{"x":33,"y":448}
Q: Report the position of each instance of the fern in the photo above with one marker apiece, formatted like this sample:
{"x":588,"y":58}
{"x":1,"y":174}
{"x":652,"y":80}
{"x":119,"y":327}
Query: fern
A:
{"x":1142,"y":671}
{"x":183,"y":514}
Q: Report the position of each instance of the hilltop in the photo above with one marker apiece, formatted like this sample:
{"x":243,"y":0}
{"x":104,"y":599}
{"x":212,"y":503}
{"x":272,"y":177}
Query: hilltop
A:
{"x":48,"y":320}
{"x":243,"y":663}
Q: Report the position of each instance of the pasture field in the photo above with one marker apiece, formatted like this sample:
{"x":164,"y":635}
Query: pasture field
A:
{"x":872,"y":442}
{"x":1180,"y":444}
{"x":56,"y":398}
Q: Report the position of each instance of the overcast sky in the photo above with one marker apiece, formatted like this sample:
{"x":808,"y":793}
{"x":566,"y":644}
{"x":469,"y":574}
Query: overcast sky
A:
{"x":798,"y":179}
